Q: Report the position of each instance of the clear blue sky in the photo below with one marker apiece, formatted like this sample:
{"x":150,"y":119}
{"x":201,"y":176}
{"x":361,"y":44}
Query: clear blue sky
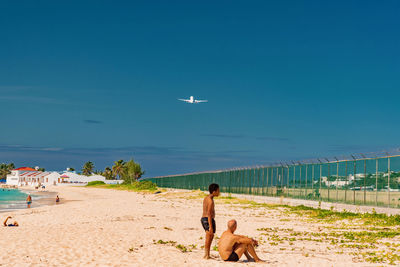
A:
{"x":98,"y":80}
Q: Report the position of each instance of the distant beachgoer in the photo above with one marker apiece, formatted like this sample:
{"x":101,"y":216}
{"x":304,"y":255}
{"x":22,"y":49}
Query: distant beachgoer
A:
{"x":57,"y":199}
{"x":10,"y":224}
{"x":29,"y":201}
{"x":231,"y":247}
{"x":207,"y":220}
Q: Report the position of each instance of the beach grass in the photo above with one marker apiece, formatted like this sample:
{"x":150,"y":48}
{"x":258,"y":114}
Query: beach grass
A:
{"x":137,"y":186}
{"x":368,"y":237}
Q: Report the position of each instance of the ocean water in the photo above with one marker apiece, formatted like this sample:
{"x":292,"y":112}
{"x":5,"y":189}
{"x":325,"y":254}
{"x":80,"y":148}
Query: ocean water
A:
{"x":12,"y":199}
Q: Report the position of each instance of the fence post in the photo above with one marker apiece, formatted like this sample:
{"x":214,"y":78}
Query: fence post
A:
{"x":306,"y":180}
{"x":277,"y":180}
{"x":320,"y":179}
{"x":272,"y":179}
{"x":262,"y":186}
{"x":300,"y":178}
{"x":337,"y":180}
{"x":347,"y":184}
{"x":388,"y":181}
{"x":329,"y":174}
{"x":267,"y":181}
{"x":365,"y":179}
{"x":312,"y":177}
{"x":230,"y":181}
{"x":354,"y":180}
{"x":294,"y":179}
{"x":243,"y":180}
{"x":281,"y":176}
{"x":287,"y":181}
{"x":376,"y":183}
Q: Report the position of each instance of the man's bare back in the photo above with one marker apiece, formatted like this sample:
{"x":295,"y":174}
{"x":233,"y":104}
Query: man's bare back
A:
{"x":226,"y":244}
{"x":231,"y":247}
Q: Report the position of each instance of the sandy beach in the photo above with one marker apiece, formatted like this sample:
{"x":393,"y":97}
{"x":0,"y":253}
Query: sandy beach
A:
{"x":103,"y":227}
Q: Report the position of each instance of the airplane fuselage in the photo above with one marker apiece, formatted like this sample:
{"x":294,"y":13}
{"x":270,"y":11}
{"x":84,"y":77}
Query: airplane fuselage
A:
{"x":191,"y":100}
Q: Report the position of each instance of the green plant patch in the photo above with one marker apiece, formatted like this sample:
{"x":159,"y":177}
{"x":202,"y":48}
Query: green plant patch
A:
{"x":95,"y":183}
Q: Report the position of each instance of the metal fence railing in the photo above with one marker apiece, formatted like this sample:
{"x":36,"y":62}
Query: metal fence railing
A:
{"x":363,"y":179}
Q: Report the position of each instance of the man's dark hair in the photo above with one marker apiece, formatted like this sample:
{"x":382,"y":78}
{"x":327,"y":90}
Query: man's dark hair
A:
{"x":213,"y":187}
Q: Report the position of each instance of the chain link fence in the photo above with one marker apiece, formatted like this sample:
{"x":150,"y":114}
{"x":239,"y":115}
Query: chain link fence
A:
{"x":363,"y":179}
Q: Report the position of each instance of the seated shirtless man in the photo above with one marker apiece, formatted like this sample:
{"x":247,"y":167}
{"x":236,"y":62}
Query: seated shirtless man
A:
{"x":10,"y":224}
{"x":231,"y":247}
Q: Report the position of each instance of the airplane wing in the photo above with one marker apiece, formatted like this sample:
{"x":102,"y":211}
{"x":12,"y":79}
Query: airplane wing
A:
{"x":184,"y":100}
{"x":201,"y":101}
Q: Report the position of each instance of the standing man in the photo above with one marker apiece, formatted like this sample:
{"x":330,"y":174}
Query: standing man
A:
{"x":29,"y":201}
{"x":207,"y":220}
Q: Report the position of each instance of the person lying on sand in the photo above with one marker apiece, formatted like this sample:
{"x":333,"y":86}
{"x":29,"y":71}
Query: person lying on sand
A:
{"x":231,"y":247}
{"x":207,"y":219}
{"x":11,"y":224}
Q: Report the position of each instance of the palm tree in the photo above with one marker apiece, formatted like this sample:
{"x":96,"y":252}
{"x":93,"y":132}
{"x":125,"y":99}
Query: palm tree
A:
{"x":119,"y":168}
{"x":3,"y":171}
{"x":11,"y":166}
{"x":6,"y":169}
{"x":88,"y":168}
{"x":108,"y":173}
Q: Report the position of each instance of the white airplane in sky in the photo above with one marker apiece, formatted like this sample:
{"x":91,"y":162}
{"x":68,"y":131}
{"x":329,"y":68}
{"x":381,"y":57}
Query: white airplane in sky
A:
{"x":191,"y":100}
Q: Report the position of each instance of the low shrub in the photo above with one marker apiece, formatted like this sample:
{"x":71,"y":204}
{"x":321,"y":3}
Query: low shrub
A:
{"x":95,"y":183}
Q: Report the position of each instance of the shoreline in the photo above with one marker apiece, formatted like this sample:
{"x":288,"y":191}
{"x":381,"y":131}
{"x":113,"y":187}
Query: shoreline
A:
{"x":39,"y":199}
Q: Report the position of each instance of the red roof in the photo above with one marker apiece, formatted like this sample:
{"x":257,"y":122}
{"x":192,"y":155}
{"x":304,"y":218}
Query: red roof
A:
{"x":24,"y":169}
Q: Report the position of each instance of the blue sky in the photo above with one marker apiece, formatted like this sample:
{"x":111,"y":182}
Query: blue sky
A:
{"x":98,"y":80}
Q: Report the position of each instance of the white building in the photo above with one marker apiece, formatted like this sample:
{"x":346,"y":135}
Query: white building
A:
{"x":71,"y":177}
{"x":27,"y":176}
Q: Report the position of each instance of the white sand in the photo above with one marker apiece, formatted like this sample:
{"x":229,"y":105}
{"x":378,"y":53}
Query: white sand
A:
{"x":98,"y":227}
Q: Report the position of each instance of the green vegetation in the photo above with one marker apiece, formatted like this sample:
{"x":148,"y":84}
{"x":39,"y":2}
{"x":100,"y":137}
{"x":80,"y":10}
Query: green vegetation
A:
{"x":330,"y":215}
{"x":162,"y":242}
{"x":95,"y":183}
{"x":369,"y":237}
{"x":118,"y":168}
{"x":132,"y":172}
{"x":87,"y":168}
{"x":129,"y":171}
{"x":183,"y":248}
{"x":6,"y":169}
{"x":137,"y":186}
{"x":373,"y":218}
{"x":108,"y":173}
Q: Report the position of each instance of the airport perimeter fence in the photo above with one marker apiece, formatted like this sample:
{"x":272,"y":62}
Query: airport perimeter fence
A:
{"x":359,"y":179}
